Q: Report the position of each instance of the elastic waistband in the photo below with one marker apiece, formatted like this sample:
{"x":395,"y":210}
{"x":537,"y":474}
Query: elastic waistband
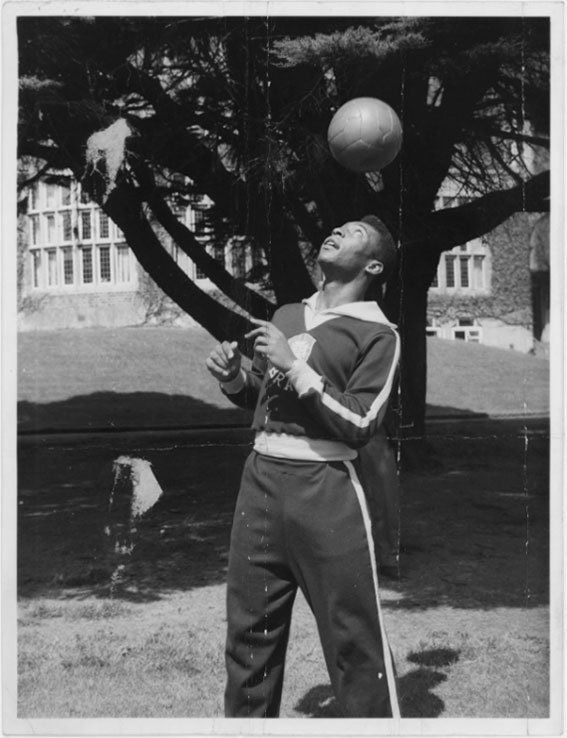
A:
{"x":302,"y":448}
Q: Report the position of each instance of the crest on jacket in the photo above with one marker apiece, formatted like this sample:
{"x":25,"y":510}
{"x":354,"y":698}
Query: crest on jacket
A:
{"x":302,"y":345}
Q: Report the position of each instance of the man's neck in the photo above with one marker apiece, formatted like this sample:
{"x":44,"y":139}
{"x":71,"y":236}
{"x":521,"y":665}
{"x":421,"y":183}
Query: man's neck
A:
{"x":333,"y":293}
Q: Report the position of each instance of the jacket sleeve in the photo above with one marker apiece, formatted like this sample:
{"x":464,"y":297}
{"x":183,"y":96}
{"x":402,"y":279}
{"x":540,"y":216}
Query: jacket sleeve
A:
{"x":354,"y":415}
{"x":244,"y":389}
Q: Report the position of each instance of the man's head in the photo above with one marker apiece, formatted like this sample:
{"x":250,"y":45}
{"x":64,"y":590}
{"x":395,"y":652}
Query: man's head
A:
{"x":359,"y":248}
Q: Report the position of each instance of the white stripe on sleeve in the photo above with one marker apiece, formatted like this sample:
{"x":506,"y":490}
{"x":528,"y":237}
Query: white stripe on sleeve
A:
{"x":304,"y":378}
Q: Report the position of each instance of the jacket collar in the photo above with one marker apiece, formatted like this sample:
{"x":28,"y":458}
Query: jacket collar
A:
{"x":367,"y":311}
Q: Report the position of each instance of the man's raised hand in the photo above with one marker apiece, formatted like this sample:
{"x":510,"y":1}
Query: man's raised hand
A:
{"x":270,"y":342}
{"x":224,"y":361}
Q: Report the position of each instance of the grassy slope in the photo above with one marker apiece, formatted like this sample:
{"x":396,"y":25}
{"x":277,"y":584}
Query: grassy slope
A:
{"x":156,"y":376}
{"x":164,"y":360}
{"x":486,"y":379}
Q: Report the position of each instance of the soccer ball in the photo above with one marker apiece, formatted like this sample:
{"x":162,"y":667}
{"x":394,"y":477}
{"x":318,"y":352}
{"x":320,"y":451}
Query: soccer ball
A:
{"x":365,"y":135}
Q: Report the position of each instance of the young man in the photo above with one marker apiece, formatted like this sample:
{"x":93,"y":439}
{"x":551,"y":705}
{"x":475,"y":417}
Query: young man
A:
{"x":320,"y":384}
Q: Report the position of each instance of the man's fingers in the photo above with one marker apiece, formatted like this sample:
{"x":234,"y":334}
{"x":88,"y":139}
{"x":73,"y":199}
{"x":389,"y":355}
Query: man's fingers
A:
{"x":262,"y":344}
{"x":257,"y":321}
{"x":220,"y":372}
{"x":213,"y":363}
{"x":219,"y":356}
{"x":255,"y":332}
{"x":214,"y":368}
{"x":228,"y":350}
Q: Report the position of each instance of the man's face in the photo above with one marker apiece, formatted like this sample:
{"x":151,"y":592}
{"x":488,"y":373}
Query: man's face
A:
{"x":349,"y":248}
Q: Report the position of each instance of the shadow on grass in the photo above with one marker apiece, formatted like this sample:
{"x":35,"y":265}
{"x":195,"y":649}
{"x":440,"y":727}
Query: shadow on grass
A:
{"x":125,"y":411}
{"x":437,"y":657}
{"x":181,"y":543}
{"x":476,"y":533}
{"x":415,"y":694}
{"x":140,"y":410}
{"x":445,"y":411}
{"x":464,"y":528}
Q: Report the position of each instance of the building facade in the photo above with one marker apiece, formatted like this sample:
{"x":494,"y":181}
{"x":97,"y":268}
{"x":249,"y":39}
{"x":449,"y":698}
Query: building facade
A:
{"x":483,"y":291}
{"x":76,"y":270}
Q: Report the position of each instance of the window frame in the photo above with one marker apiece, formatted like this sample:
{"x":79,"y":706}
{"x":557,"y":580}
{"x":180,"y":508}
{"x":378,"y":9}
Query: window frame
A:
{"x":471,"y":333}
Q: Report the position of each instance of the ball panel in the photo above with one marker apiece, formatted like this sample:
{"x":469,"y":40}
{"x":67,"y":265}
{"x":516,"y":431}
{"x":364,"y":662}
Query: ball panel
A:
{"x":358,"y":156}
{"x":343,"y":129}
{"x":365,"y":134}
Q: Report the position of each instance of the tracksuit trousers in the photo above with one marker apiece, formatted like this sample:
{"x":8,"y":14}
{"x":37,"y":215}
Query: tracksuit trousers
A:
{"x":306,"y":524}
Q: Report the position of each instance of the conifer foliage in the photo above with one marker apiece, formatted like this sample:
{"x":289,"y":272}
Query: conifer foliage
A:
{"x":238,"y":108}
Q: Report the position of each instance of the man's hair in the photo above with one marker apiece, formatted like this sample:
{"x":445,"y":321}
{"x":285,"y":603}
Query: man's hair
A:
{"x":384,"y":247}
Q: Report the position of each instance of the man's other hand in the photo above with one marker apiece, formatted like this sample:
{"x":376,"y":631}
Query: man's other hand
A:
{"x":224,"y":361}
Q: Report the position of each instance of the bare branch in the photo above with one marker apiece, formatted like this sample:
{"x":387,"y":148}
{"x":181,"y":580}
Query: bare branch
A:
{"x":442,"y":230}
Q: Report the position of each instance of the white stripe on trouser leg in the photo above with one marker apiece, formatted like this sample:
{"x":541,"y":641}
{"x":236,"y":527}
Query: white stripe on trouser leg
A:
{"x":385,"y":646}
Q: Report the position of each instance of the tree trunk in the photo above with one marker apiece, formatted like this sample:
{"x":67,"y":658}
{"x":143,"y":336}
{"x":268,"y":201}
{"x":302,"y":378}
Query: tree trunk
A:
{"x":413,"y":377}
{"x":405,"y":303}
{"x":289,"y":276}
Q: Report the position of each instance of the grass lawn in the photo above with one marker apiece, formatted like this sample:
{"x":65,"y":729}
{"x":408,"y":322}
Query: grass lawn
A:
{"x":468,"y":621}
{"x":155,"y":377}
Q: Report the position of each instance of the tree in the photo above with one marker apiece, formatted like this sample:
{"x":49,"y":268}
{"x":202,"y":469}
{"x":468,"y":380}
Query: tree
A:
{"x":237,"y":108}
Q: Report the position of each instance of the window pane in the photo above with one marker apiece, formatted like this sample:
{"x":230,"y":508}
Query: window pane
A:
{"x":66,"y":226}
{"x":52,"y":267}
{"x":238,"y":261}
{"x":203,"y":228}
{"x":478,"y":271}
{"x":218,"y":254}
{"x":51,"y":232}
{"x":86,"y":231}
{"x":450,"y":271}
{"x":34,"y":227}
{"x":85,"y":199}
{"x":87,"y":258}
{"x":36,"y":268}
{"x":51,"y":195}
{"x":199,"y":223}
{"x":190,"y":218}
{"x":68,"y":270}
{"x":103,"y":225}
{"x":65,"y":194}
{"x":104,"y":263}
{"x":122,"y":264}
{"x":464,"y":264}
{"x":33,"y":197}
